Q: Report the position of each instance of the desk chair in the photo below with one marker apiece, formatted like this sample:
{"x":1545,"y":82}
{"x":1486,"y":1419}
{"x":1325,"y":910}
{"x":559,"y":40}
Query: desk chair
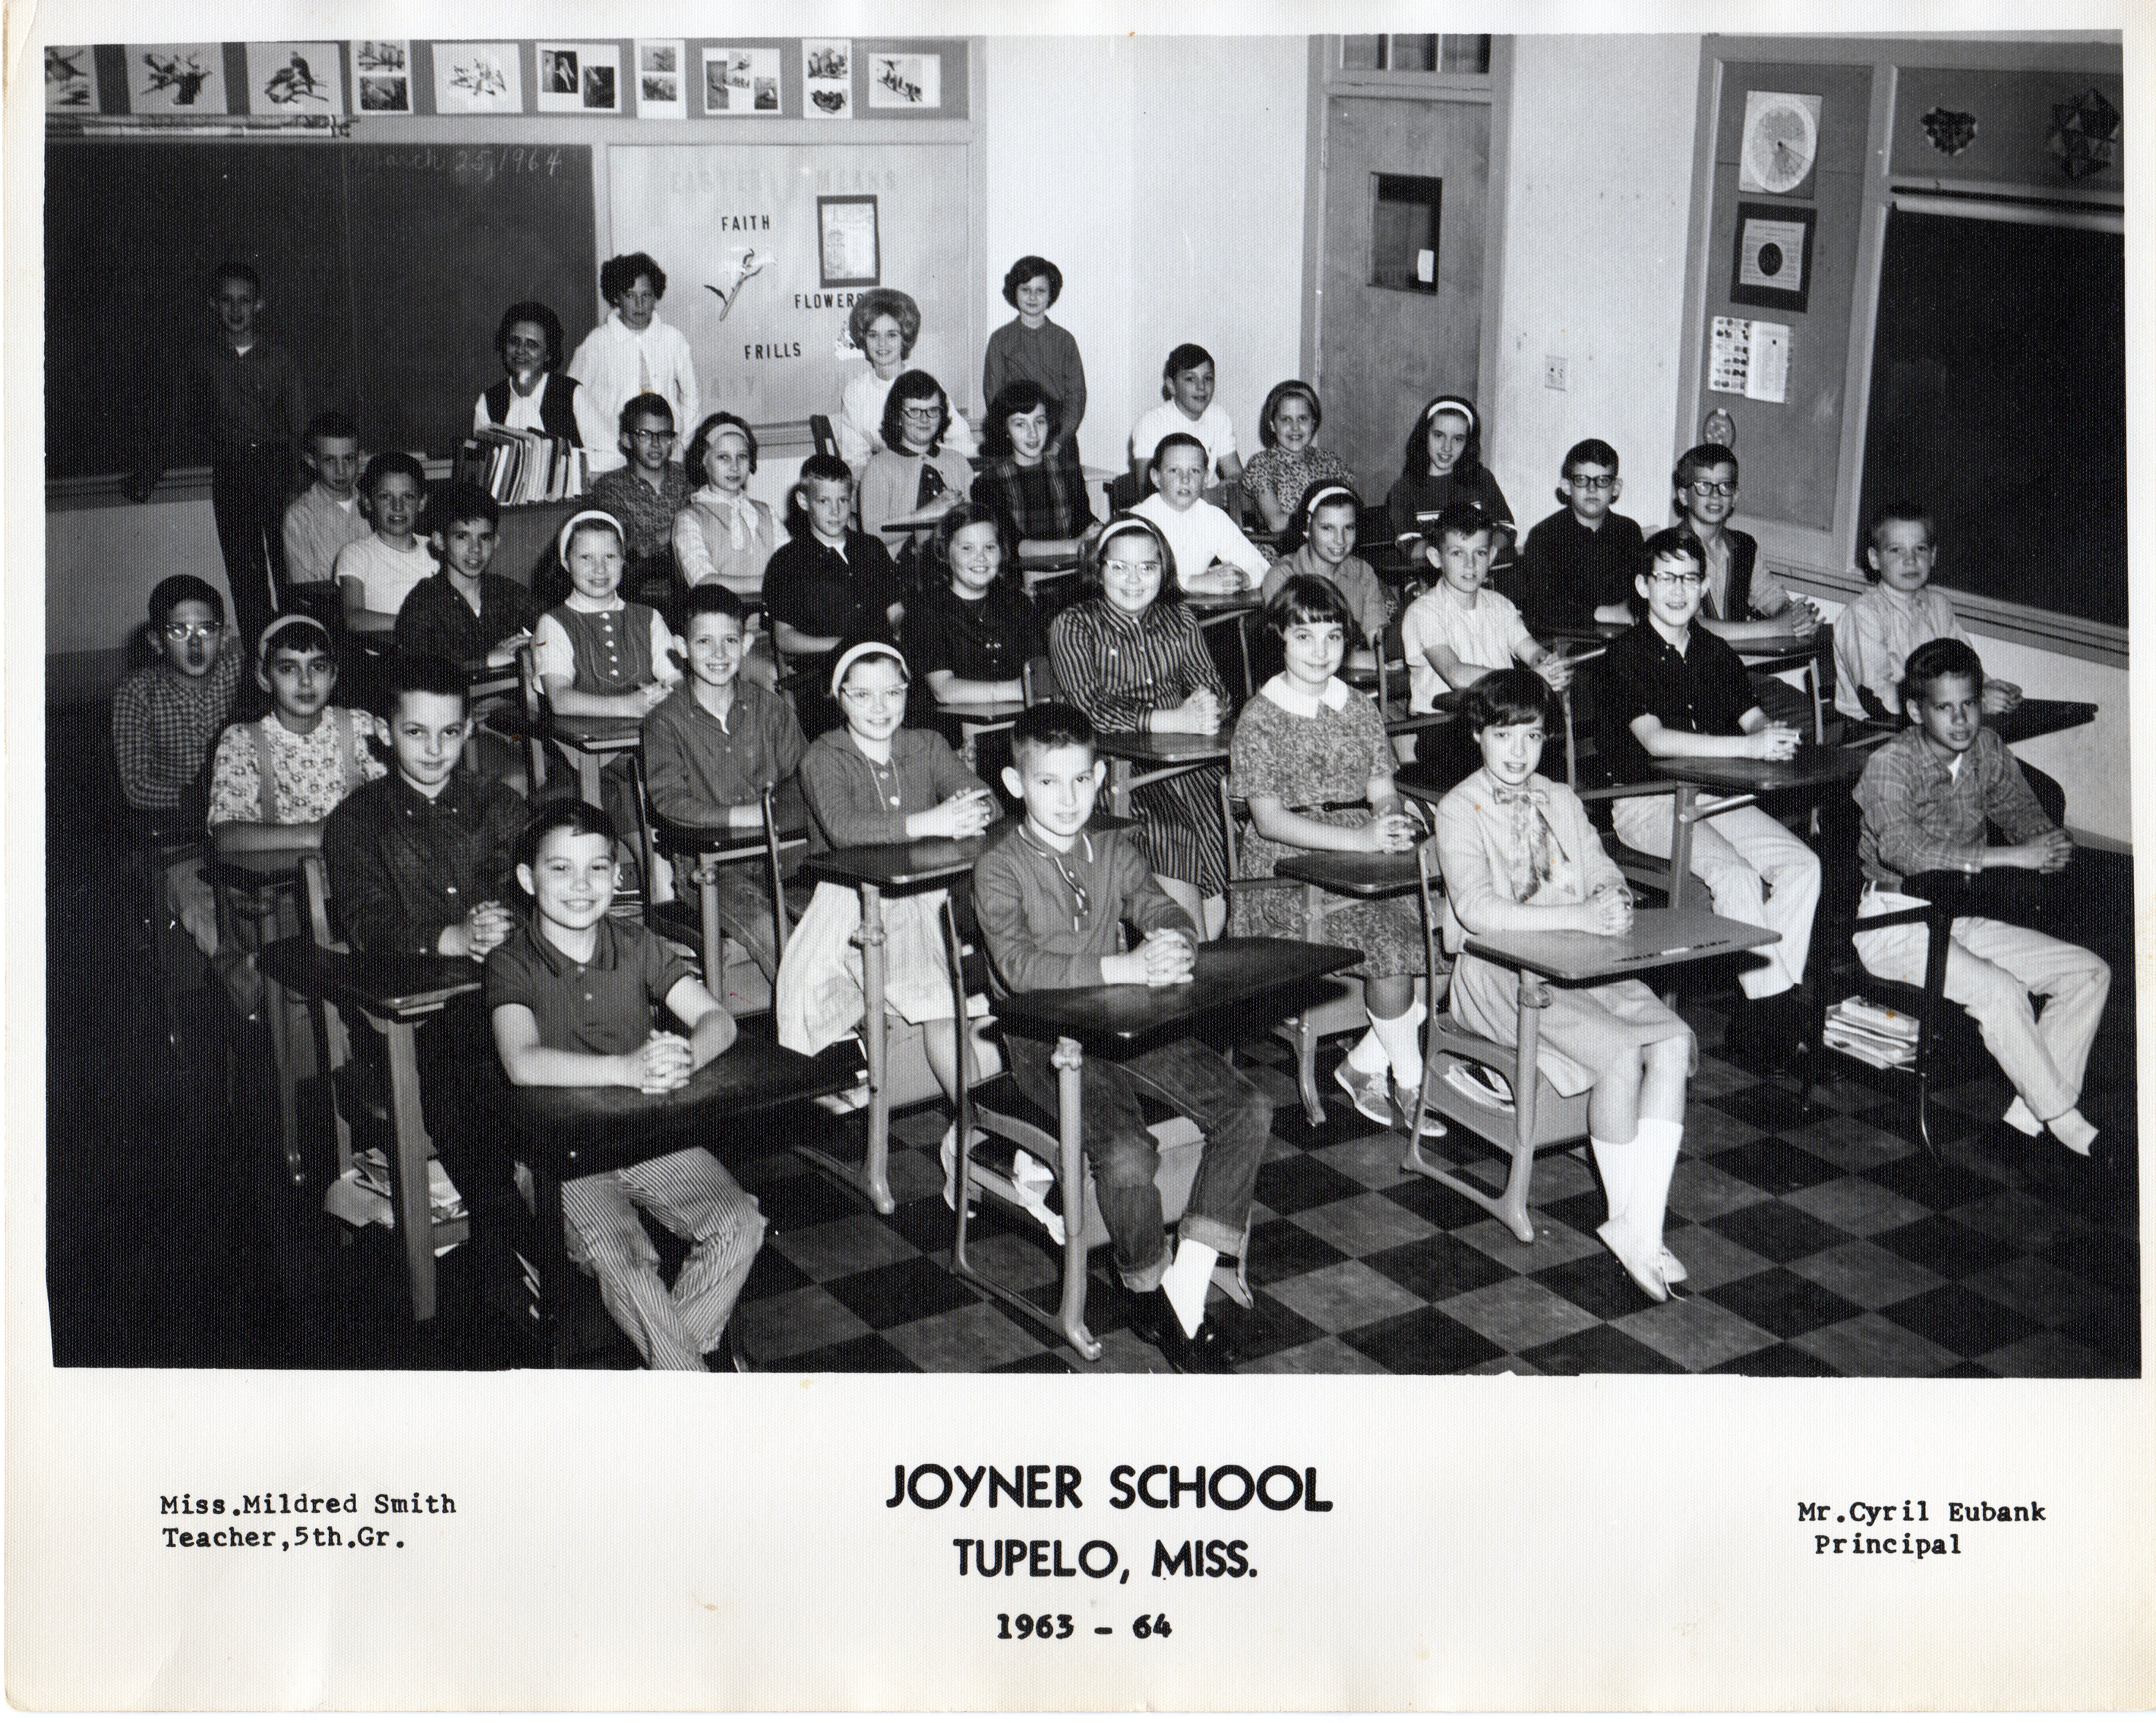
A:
{"x":1538,"y":1118}
{"x":999,"y":1108}
{"x":156,"y":844}
{"x":541,"y":737}
{"x":1037,"y":677}
{"x":706,"y":928}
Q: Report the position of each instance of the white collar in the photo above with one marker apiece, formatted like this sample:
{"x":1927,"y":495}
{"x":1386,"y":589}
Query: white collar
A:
{"x":597,"y":607}
{"x":1284,"y":694}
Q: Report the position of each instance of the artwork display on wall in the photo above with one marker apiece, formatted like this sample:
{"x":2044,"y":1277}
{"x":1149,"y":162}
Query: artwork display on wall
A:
{"x":384,"y":72}
{"x":740,"y":81}
{"x":906,"y":80}
{"x":1774,"y":261}
{"x":70,"y":81}
{"x":176,"y":77}
{"x":661,"y":92}
{"x":579,"y":78}
{"x":478,"y":78}
{"x":827,"y":69}
{"x":294,"y":77}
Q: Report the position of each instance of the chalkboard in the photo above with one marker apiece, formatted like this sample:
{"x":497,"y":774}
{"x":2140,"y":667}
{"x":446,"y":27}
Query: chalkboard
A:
{"x":385,"y":270}
{"x":1998,"y":399}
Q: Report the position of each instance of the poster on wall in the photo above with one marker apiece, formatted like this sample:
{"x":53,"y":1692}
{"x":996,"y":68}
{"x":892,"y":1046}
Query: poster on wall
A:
{"x":294,"y":77}
{"x":660,"y":93}
{"x":579,"y":78}
{"x":848,"y":243}
{"x":176,"y":77}
{"x":478,"y":78}
{"x":384,"y":72}
{"x":827,"y":73}
{"x":740,"y":81}
{"x":1773,"y":262}
{"x":906,"y":80}
{"x":70,"y":81}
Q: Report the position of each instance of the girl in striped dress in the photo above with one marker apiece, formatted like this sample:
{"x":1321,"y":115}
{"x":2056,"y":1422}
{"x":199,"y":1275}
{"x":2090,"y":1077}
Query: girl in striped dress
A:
{"x":1133,"y":659}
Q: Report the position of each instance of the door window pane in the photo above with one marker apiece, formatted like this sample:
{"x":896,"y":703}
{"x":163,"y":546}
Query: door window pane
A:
{"x":1403,"y":230}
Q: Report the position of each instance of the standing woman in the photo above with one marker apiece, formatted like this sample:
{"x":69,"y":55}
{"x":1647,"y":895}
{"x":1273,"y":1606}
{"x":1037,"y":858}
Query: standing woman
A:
{"x":884,"y":324}
{"x":533,"y":395}
{"x":1031,"y":348}
{"x":632,"y":353}
{"x":1442,"y":465}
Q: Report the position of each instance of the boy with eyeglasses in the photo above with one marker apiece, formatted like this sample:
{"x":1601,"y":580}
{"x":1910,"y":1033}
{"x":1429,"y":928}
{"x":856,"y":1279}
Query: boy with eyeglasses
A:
{"x":645,"y":496}
{"x":1577,"y":565}
{"x":1671,"y":689}
{"x":165,"y":716}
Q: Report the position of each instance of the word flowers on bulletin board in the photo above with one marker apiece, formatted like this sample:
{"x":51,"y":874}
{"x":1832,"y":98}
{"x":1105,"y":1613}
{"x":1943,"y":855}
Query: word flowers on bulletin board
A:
{"x":1773,"y":262}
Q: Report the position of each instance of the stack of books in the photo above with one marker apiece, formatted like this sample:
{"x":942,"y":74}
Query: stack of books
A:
{"x":522,"y":466}
{"x":1884,"y":1039}
{"x":360,"y":1197}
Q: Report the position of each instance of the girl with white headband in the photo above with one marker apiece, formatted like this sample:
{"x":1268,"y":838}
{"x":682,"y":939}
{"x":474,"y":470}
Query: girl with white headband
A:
{"x":1320,"y":540}
{"x":1442,"y":465}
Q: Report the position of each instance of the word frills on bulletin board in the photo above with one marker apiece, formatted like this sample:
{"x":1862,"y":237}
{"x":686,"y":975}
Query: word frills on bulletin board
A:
{"x":678,"y":77}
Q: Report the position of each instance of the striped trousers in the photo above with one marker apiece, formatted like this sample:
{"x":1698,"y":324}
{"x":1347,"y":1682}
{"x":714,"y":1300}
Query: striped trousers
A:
{"x":694,"y":1197}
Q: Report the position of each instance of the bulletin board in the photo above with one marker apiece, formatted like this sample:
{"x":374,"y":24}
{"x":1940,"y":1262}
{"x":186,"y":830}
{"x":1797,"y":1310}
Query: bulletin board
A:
{"x":815,"y":225}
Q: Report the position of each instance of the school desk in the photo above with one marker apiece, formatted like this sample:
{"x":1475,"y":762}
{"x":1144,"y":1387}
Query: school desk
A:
{"x":1236,"y":608}
{"x":1158,"y":754}
{"x":779,"y":834}
{"x":2027,"y":721}
{"x":395,"y":993}
{"x":1743,"y":781}
{"x":588,"y":743}
{"x":1117,"y":1022}
{"x":1658,"y":939}
{"x":260,"y":888}
{"x":563,"y":1134}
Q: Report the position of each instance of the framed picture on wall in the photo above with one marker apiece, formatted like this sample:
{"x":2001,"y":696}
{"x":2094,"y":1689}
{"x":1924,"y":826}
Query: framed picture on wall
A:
{"x":848,"y":247}
{"x":1773,"y":264}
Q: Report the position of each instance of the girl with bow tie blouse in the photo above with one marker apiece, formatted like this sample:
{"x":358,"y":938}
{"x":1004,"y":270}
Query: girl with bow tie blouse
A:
{"x":1519,"y":855}
{"x":725,"y":534}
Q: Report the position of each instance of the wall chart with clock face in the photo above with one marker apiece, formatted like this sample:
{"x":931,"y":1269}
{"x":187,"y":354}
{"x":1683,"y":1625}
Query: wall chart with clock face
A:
{"x":1780,"y":143}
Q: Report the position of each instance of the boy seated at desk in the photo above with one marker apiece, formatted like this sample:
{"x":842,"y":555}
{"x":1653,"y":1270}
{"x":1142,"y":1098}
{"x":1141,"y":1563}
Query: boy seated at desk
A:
{"x":1577,"y":565}
{"x":645,"y":495}
{"x":1051,"y":897}
{"x":419,"y":864}
{"x":274,"y":781}
{"x":1927,"y":795}
{"x":464,"y":612}
{"x":571,"y":996}
{"x":325,"y":517}
{"x":1672,"y":690}
{"x":711,"y":750}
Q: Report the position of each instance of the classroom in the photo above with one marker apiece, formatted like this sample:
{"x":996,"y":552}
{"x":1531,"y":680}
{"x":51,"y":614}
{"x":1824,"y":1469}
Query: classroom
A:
{"x":1587,"y":280}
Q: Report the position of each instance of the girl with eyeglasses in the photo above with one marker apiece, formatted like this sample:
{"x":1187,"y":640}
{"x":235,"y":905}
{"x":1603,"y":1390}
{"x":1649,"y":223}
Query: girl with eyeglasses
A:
{"x":1132,"y":659}
{"x":917,"y":468}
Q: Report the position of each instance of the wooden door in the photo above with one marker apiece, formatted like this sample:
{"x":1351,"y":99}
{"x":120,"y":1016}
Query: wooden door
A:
{"x":1385,"y":343}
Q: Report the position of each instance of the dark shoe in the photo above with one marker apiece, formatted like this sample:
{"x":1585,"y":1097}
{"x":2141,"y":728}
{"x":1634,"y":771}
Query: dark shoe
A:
{"x":1208,"y":1352}
{"x":1766,"y":1033}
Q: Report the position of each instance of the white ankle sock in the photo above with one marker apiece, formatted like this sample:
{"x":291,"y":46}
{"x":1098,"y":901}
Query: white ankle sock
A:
{"x":1403,"y":1046}
{"x":1656,"y":1148}
{"x":1368,"y":1054}
{"x":1186,"y":1280}
{"x":1618,"y":1163}
{"x":2019,"y":1116}
{"x":2076,"y":1132}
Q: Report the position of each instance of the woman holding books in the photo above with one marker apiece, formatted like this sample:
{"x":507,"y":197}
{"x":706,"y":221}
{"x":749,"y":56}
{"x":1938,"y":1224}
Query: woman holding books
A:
{"x":533,"y":394}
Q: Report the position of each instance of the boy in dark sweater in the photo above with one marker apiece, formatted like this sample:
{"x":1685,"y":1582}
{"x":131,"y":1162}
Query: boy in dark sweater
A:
{"x":1051,"y":896}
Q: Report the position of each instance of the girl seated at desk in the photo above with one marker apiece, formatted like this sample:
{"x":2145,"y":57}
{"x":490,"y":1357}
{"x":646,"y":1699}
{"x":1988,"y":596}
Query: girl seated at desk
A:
{"x":1311,"y":758}
{"x":1519,"y":856}
{"x":1133,"y":659}
{"x":972,"y":631}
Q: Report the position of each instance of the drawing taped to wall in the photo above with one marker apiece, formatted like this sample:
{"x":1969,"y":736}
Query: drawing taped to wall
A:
{"x":70,"y":81}
{"x":294,"y":77}
{"x":740,"y":81}
{"x":659,"y":93}
{"x":176,"y":77}
{"x":384,"y":72}
{"x":906,"y":80}
{"x":478,"y":78}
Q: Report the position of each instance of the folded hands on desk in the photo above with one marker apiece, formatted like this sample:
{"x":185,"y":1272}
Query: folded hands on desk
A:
{"x":1166,"y":959}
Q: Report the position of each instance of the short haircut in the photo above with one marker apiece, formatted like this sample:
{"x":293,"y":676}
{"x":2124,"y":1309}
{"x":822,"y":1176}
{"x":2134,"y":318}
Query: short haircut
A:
{"x":1021,"y":395}
{"x":174,"y":590}
{"x":1935,"y":658}
{"x":532,"y":310}
{"x":1024,"y":271}
{"x":1672,"y":541}
{"x":618,"y":274}
{"x":463,"y":500}
{"x":1052,"y":723}
{"x":912,"y":386}
{"x":328,"y":424}
{"x":1703,"y":457}
{"x":818,"y":468}
{"x":1293,"y":389}
{"x":1178,"y":439}
{"x":389,"y":463}
{"x":562,"y":814}
{"x":1518,"y":696}
{"x":1318,"y":494}
{"x":711,"y":598}
{"x":1125,"y":525}
{"x":425,"y":673}
{"x":969,"y":513}
{"x":1460,"y":518}
{"x":1188,"y":357}
{"x":1414,"y":452}
{"x":231,"y":270}
{"x":700,"y":445}
{"x":885,"y":302}
{"x":301,"y":634}
{"x":1588,"y":451}
{"x":1310,"y":598}
{"x":644,"y":406}
{"x":1903,"y":511}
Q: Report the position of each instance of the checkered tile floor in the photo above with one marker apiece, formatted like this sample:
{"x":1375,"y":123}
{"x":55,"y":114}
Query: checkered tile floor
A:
{"x":1826,"y":1245}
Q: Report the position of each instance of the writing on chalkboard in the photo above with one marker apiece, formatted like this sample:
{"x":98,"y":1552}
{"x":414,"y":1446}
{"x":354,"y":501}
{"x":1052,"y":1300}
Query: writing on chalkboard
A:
{"x":482,"y":163}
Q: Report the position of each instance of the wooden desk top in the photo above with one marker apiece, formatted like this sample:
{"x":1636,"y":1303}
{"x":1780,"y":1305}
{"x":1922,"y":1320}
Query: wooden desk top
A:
{"x":261,"y":867}
{"x":2027,"y":721}
{"x":1353,"y":875}
{"x":1813,"y":767}
{"x":981,"y":711}
{"x":1171,"y":748}
{"x":1213,"y":607}
{"x":1114,"y":1019}
{"x":394,"y":985}
{"x":572,"y":1132}
{"x":1658,"y":939}
{"x":680,"y":839}
{"x":597,"y":736}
